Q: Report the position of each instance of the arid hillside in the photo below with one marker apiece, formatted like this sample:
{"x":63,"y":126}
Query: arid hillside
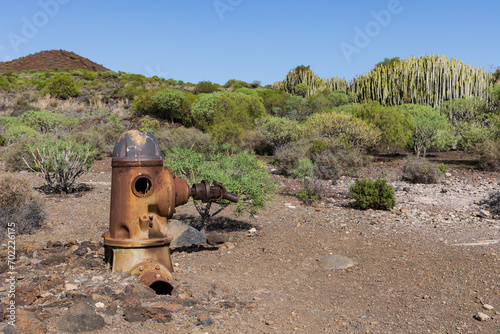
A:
{"x":49,"y":60}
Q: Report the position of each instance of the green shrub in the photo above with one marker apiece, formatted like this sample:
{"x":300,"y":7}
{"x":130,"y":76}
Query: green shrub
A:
{"x":168,"y":102}
{"x":62,"y":87}
{"x":489,"y":155}
{"x":467,"y":118}
{"x":143,"y":103}
{"x":297,"y":108}
{"x":19,"y":206}
{"x":420,"y":170}
{"x":14,"y":132}
{"x":377,"y":195}
{"x":227,"y":115}
{"x":394,"y":123}
{"x":61,"y":162}
{"x":319,"y":103}
{"x":463,"y":110}
{"x":278,"y":131}
{"x":242,"y":174}
{"x":46,"y":121}
{"x":339,"y":98}
{"x":430,"y":128}
{"x":128,"y":91}
{"x":274,"y":101}
{"x":90,"y":75}
{"x":469,"y":134}
{"x":151,"y":125}
{"x":304,"y":169}
{"x":205,"y":87}
{"x":443,"y":169}
{"x":95,"y":140}
{"x":301,"y":89}
{"x":224,"y":105}
{"x":352,"y":131}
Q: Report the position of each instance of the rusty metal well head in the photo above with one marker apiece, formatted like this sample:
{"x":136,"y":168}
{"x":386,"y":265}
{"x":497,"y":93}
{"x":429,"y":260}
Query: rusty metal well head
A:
{"x":134,"y":145}
{"x":144,"y":195}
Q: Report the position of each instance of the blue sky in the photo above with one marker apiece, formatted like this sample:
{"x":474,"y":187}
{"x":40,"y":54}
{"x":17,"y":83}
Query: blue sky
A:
{"x":218,"y":40}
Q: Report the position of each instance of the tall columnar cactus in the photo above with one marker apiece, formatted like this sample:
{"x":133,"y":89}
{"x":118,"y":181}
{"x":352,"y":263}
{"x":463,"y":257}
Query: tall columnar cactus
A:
{"x":427,"y":80}
{"x":301,"y":74}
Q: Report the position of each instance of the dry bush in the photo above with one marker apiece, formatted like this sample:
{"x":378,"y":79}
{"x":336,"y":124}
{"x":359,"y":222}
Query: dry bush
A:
{"x":46,"y":103}
{"x":19,"y":206}
{"x":420,"y":170}
{"x":15,"y":191}
{"x":312,"y":190}
{"x":288,"y":155}
{"x":190,"y":138}
{"x":489,"y":155}
{"x":15,"y":153}
{"x":493,"y":203}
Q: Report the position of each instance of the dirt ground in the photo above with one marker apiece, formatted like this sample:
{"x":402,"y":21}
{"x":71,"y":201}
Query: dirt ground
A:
{"x":427,"y":266}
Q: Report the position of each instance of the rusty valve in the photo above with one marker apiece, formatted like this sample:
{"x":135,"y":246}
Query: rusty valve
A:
{"x":144,"y":194}
{"x":204,"y":192}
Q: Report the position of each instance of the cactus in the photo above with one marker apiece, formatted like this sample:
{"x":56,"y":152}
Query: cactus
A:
{"x":427,"y":80}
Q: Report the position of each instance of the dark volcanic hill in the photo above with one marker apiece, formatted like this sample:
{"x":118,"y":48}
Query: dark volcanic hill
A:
{"x":48,"y":60}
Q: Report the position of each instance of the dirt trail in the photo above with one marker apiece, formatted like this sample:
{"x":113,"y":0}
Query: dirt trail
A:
{"x":426,"y":266}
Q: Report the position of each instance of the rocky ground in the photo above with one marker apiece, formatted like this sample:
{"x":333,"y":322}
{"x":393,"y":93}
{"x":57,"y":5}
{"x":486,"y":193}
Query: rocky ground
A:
{"x":430,"y":265}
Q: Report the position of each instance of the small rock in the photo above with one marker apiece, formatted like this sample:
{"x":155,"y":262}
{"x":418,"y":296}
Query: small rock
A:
{"x":407,"y":189}
{"x":251,"y":306}
{"x":185,"y":235}
{"x":70,"y":287}
{"x":483,"y":214}
{"x":136,"y":313}
{"x":160,"y":315}
{"x":171,"y":307}
{"x":81,"y":317}
{"x":331,"y":262}
{"x":214,"y":239}
{"x":253,"y":230}
{"x":81,"y":251}
{"x":229,"y":245}
{"x":26,"y":295}
{"x":488,"y":307}
{"x":51,"y":244}
{"x":26,"y":322}
{"x":97,"y":279}
{"x":445,"y":190}
{"x":99,"y":305}
{"x":140,"y":290}
{"x":288,"y":205}
{"x":482,"y":316}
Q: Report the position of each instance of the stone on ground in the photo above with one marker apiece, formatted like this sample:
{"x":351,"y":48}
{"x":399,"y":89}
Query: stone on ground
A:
{"x":331,"y":262}
{"x":185,"y":235}
{"x":81,"y":317}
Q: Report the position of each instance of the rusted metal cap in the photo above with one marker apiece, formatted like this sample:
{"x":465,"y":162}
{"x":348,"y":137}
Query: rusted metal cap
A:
{"x":133,"y":145}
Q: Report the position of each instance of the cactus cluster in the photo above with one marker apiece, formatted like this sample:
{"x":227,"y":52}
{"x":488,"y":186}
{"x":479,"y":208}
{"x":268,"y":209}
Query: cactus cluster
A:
{"x":427,"y":80}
